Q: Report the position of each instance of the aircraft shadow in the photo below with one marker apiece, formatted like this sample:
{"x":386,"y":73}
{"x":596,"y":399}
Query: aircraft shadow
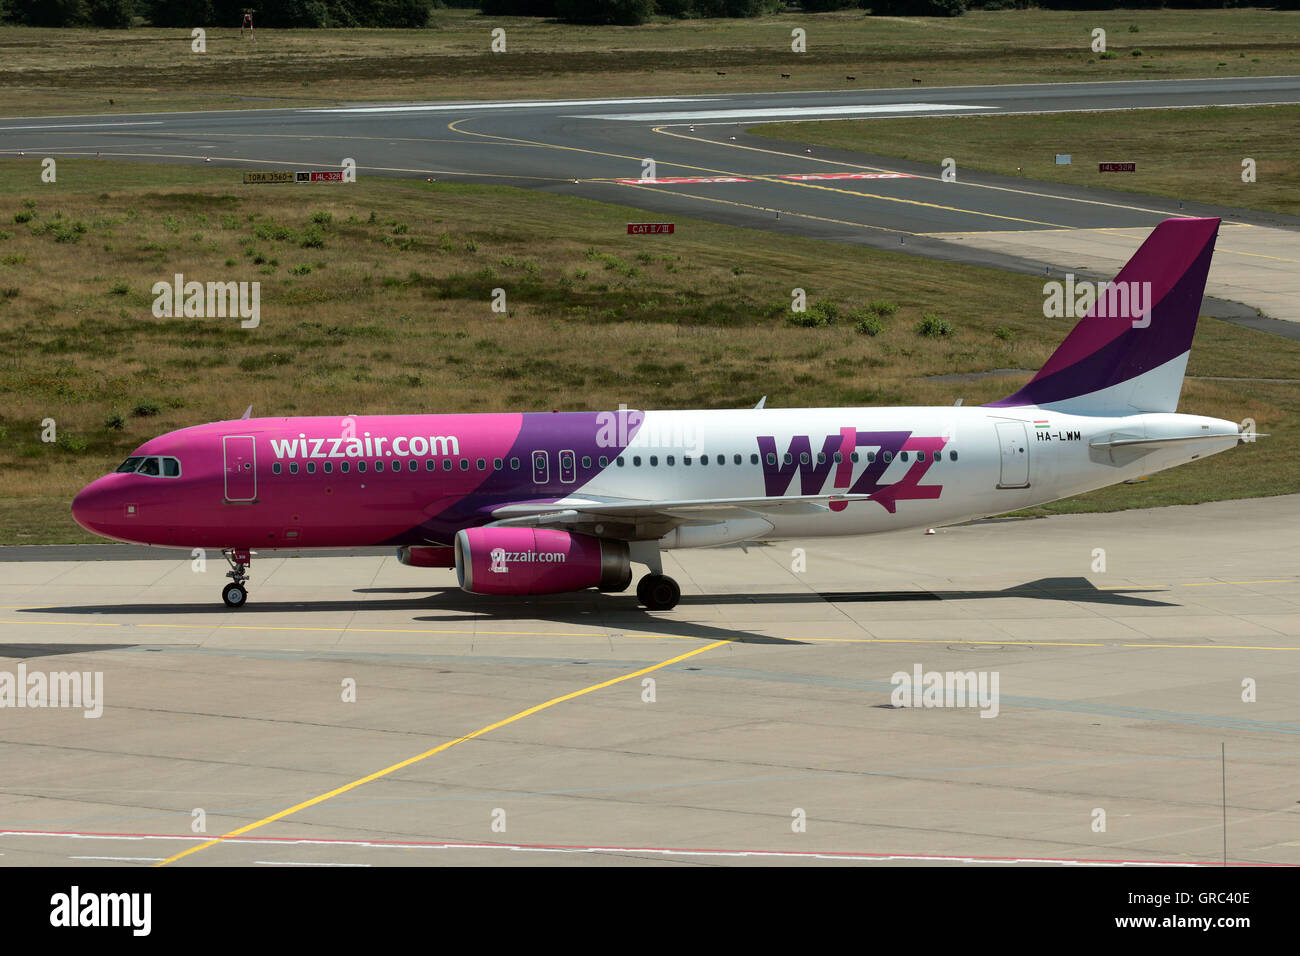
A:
{"x":619,"y":611}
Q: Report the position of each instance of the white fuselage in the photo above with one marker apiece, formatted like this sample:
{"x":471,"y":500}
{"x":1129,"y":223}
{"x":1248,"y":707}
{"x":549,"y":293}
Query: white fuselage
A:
{"x":973,"y":462}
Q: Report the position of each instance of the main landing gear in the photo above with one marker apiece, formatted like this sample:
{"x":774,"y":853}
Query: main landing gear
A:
{"x":658,"y":592}
{"x":234,"y":593}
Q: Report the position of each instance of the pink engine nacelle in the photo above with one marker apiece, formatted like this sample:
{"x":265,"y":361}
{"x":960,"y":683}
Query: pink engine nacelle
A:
{"x":539,"y":561}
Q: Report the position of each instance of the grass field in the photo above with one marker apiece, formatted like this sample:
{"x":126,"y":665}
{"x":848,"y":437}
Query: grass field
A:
{"x":94,"y":71}
{"x":376,"y":297}
{"x":1193,"y":154}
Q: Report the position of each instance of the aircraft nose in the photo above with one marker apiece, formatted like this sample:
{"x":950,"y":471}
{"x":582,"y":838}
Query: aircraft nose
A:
{"x":92,"y":508}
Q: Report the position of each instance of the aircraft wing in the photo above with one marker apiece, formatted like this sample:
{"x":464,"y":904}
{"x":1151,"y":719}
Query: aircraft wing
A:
{"x":620,"y":514}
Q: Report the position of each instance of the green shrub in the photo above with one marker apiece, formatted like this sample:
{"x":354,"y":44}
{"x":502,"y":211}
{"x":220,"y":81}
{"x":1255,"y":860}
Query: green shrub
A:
{"x":933,"y":327}
{"x":867,"y":323}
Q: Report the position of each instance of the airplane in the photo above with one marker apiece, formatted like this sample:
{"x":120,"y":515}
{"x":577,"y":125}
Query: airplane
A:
{"x":546,"y":503}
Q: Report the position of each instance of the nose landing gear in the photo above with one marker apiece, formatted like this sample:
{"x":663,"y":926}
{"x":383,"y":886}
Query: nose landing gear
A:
{"x":234,"y":593}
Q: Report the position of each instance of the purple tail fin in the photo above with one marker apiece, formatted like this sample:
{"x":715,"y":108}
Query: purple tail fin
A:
{"x":1129,"y":351}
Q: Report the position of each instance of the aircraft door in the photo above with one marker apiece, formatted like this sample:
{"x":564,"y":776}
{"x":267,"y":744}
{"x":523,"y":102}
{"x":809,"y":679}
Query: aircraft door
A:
{"x":568,"y":467}
{"x":240,"y":456}
{"x":1014,"y":445}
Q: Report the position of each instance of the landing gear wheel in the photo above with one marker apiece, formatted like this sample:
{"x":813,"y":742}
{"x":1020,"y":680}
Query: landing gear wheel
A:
{"x":234,"y":593}
{"x":658,"y":592}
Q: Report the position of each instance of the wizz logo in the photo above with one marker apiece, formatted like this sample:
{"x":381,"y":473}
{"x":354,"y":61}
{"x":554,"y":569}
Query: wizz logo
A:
{"x":814,"y":468}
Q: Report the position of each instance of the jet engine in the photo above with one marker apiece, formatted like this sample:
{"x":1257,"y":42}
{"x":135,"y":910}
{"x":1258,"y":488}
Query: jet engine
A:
{"x":539,"y":561}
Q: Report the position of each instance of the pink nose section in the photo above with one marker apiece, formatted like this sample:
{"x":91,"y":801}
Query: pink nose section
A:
{"x":92,"y":508}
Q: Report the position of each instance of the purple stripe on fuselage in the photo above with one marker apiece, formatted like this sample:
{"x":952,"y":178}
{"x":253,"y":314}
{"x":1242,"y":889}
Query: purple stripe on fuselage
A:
{"x":588,"y":435}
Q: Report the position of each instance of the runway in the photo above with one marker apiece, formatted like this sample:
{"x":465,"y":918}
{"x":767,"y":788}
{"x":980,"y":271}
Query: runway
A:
{"x":705,"y":166}
{"x":579,"y":730}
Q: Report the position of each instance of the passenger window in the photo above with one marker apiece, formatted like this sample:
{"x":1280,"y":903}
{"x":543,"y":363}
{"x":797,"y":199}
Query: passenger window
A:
{"x":586,"y":461}
{"x":654,"y":461}
{"x":412,"y":465}
{"x":889,"y":456}
{"x":839,"y":457}
{"x":952,"y":456}
{"x":704,"y":459}
{"x":821,"y":458}
{"x":603,"y":461}
{"x":686,"y":459}
{"x":788,"y":458}
{"x":481,"y":464}
{"x":722,"y":459}
{"x":514,"y":464}
{"x":311,"y":467}
{"x":429,"y":464}
{"x":328,"y":467}
{"x":771,"y":458}
{"x":361,"y":467}
{"x":871,"y":456}
{"x":275,"y":468}
{"x":379,"y":466}
{"x":293,"y":468}
{"x":497,"y":464}
{"x":446,"y":464}
{"x":920,"y":456}
{"x":464,"y":464}
{"x":670,"y":461}
{"x":344,"y":467}
{"x":619,"y":461}
{"x":738,"y":459}
{"x":753,"y":459}
{"x":903,"y":455}
{"x":803,"y":458}
{"x":636,"y":461}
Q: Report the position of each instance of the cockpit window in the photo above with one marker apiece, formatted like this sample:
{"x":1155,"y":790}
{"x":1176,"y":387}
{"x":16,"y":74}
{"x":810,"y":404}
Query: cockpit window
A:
{"x":151,"y":465}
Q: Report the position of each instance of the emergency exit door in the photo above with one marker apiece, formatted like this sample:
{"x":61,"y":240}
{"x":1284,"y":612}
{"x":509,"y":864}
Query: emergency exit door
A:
{"x":1014,"y":444}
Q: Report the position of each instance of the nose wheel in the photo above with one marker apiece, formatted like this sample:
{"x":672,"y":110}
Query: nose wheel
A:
{"x":234,"y":593}
{"x":658,"y":592}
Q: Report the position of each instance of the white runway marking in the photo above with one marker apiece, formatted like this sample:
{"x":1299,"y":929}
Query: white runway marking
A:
{"x":122,"y":859}
{"x":782,"y":111}
{"x":5,"y":129}
{"x":861,"y":857}
{"x":462,"y":107}
{"x":296,"y":863}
